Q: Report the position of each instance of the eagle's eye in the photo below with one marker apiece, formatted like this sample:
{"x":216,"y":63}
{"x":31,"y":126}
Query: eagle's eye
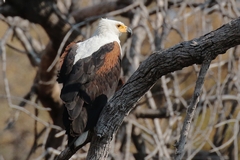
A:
{"x":118,"y":25}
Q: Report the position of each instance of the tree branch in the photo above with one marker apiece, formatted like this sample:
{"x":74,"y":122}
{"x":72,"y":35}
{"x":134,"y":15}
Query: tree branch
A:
{"x":190,"y":110}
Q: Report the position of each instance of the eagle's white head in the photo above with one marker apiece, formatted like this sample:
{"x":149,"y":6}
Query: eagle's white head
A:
{"x":107,"y":31}
{"x":107,"y":26}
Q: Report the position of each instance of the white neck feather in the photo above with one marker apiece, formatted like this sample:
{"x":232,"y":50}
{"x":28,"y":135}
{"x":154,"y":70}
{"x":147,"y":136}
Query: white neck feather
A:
{"x":105,"y":33}
{"x":91,"y":45}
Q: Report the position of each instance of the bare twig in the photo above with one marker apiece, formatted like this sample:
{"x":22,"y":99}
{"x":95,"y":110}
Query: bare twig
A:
{"x":190,"y":110}
{"x":34,"y":59}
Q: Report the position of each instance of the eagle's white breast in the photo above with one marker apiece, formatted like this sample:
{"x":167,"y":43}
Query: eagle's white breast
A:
{"x":91,"y":45}
{"x":105,"y":33}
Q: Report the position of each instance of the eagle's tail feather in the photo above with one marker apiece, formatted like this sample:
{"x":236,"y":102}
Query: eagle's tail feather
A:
{"x":78,"y":125}
{"x":74,"y":108}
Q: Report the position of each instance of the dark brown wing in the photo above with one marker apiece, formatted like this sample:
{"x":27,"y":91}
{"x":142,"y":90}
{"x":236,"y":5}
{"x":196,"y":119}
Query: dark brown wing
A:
{"x":88,"y":84}
{"x":66,"y":62}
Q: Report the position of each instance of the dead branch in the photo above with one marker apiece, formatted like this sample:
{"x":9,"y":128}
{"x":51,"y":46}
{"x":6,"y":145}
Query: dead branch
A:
{"x":190,"y":110}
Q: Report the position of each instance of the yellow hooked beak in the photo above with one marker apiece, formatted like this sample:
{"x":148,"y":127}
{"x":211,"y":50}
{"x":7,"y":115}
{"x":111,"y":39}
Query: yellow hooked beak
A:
{"x":124,"y":29}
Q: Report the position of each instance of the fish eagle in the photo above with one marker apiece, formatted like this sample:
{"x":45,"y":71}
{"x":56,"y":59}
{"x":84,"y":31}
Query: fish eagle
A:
{"x":90,"y":73}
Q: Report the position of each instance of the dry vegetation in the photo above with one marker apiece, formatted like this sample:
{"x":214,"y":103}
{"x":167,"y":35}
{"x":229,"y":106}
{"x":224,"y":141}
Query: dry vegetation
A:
{"x":150,"y":131}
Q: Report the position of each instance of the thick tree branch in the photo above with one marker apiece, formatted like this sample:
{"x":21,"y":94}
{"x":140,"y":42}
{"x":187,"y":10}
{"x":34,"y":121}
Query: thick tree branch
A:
{"x":160,"y":63}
